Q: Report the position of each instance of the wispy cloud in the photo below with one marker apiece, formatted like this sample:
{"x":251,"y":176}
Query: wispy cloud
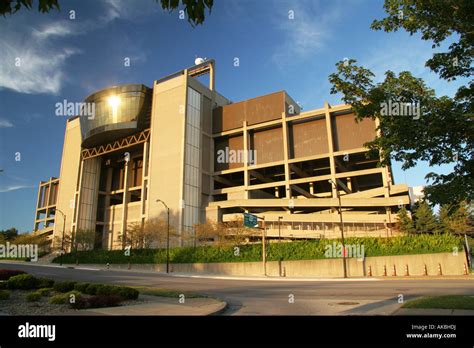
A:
{"x":9,"y":188}
{"x":305,"y":29}
{"x":58,"y":29}
{"x":5,"y":123}
{"x":30,"y":61}
{"x":29,"y":67}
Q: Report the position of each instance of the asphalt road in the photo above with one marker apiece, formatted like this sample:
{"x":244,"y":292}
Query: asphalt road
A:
{"x":263,"y":297}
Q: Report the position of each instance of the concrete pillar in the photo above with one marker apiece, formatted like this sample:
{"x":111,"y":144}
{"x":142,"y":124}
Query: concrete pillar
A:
{"x":246,"y":162}
{"x":125,"y":201}
{"x":284,"y":126}
{"x":330,"y":149}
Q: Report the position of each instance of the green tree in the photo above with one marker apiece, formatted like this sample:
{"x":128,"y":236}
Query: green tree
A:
{"x":9,"y":234}
{"x":444,"y":134}
{"x":444,"y":220}
{"x":424,"y":219}
{"x":462,"y":219}
{"x":195,"y":10}
{"x":405,"y":223}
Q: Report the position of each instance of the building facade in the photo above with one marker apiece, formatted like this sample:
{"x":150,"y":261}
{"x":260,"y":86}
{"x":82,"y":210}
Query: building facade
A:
{"x":207,"y":158}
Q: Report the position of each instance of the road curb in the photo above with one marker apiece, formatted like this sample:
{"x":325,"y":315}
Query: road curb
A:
{"x":221,"y":310}
{"x":251,"y":278}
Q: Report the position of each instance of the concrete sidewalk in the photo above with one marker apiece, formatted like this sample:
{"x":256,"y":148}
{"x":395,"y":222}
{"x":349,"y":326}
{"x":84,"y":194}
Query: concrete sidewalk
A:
{"x":155,"y":305}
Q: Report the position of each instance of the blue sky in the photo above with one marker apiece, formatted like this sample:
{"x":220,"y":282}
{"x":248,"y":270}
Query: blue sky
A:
{"x":61,"y":58}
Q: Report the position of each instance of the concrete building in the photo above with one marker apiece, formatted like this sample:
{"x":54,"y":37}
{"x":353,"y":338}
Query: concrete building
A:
{"x":210,"y":159}
{"x":417,"y":194}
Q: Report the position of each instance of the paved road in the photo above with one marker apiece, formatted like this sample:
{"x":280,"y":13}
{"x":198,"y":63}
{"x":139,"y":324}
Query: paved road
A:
{"x":261,"y":297}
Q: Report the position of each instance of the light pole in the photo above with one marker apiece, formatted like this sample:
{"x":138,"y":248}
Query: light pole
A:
{"x":62,"y":239}
{"x":342,"y":227}
{"x":279,"y":228}
{"x":167,"y":237}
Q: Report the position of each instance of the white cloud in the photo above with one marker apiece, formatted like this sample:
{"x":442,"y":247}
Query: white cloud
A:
{"x":31,"y":67}
{"x":9,"y":188}
{"x":305,"y":34}
{"x":5,"y":123}
{"x":62,"y":28}
{"x":31,"y":63}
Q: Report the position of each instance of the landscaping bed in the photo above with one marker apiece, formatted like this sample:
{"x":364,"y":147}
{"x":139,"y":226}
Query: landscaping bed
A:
{"x":24,"y":294}
{"x":297,"y":250}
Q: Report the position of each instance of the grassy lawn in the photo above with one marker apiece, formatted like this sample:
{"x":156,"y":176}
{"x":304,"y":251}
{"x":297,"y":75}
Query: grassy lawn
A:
{"x":442,"y":302}
{"x":165,"y":292}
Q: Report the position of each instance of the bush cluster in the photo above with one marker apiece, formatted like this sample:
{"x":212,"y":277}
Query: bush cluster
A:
{"x":124,"y":292}
{"x":28,"y":282}
{"x":33,"y":296}
{"x":65,"y":298}
{"x":64,"y":286}
{"x":44,"y":291}
{"x":97,"y":301}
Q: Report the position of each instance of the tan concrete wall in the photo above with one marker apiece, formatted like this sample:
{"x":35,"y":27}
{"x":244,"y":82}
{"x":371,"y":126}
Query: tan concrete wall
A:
{"x":450,"y":265}
{"x":167,"y":149}
{"x":69,"y":173}
{"x":308,"y":138}
{"x":256,"y":110}
{"x":89,"y":192}
{"x":349,"y":134}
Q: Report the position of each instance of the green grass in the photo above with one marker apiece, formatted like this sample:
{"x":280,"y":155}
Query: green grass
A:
{"x":165,"y":292}
{"x":442,"y":302}
{"x":298,"y":250}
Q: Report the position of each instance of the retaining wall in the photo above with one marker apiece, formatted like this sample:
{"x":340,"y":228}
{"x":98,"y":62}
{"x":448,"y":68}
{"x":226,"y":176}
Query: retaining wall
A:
{"x":403,"y":265}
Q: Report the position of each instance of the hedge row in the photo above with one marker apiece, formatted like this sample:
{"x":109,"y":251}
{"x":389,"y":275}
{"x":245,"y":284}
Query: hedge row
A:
{"x":28,"y":282}
{"x":124,"y":292}
{"x":298,"y":250}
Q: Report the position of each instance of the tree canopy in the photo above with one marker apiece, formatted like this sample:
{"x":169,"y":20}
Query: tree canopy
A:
{"x":444,"y":131}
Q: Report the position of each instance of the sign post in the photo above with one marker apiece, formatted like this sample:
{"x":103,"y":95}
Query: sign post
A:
{"x":251,"y":221}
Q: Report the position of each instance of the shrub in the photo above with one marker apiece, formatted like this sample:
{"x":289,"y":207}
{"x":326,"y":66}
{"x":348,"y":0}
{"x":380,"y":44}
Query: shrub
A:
{"x":3,"y":284}
{"x":6,"y":274}
{"x":124,"y":292}
{"x":65,"y":298}
{"x":98,"y":301}
{"x":81,"y":303}
{"x":44,"y":283}
{"x":57,"y":299}
{"x":64,"y":286}
{"x":81,"y":287}
{"x":44,"y":291}
{"x":92,"y":288}
{"x":104,"y":301}
{"x":4,"y":295}
{"x":106,"y":290}
{"x":33,"y":296}
{"x":22,"y":281}
{"x":128,"y":293}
